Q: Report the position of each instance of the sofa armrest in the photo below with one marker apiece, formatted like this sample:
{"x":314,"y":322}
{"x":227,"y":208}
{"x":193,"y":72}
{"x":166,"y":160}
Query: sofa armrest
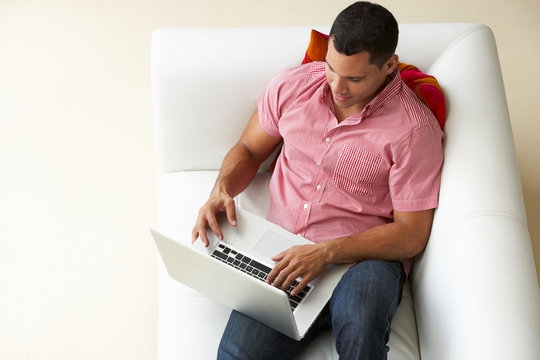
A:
{"x":475,"y":286}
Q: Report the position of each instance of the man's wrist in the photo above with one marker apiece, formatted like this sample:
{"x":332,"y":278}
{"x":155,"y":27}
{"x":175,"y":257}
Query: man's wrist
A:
{"x":219,"y":189}
{"x":329,"y":250}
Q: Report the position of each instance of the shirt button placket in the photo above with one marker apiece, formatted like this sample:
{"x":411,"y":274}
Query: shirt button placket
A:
{"x":305,"y":217}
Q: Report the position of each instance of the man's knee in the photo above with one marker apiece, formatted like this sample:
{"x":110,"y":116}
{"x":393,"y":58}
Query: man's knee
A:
{"x":372,"y":281}
{"x":363,"y":304}
{"x":236,"y":342}
{"x":245,"y":338}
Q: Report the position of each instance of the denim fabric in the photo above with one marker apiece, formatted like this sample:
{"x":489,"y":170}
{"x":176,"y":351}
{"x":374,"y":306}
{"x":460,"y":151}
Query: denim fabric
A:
{"x":359,"y":312}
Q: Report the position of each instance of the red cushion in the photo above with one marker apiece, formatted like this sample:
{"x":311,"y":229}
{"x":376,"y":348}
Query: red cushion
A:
{"x":318,"y":45}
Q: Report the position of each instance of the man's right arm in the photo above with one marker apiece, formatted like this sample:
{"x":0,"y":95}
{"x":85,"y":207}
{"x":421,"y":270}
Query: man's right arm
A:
{"x":237,"y":171}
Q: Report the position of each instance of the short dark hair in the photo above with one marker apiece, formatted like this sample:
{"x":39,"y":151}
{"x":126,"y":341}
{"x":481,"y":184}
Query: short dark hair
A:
{"x":364,"y":26}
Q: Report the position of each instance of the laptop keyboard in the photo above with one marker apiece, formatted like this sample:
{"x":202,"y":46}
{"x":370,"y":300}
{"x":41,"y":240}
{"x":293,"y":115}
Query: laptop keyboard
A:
{"x":247,"y":265}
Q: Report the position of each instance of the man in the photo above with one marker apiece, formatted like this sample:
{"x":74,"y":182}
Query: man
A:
{"x":358,"y":174}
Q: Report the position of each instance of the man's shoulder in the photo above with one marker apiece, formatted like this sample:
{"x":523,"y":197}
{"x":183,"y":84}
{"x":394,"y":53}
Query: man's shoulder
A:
{"x":315,"y":68}
{"x":305,"y":73}
{"x":418,"y":112}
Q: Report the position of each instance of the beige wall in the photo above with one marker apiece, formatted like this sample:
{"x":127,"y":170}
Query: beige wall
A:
{"x":77,"y":166}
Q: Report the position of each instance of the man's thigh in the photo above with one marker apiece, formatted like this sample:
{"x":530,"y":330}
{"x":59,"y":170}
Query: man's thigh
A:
{"x":363,"y":304}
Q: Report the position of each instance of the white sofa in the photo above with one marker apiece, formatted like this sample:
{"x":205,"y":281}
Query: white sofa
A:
{"x":473,"y":293}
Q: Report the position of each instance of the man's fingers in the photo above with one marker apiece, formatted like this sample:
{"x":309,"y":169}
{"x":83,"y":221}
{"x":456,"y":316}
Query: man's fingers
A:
{"x":199,"y":231}
{"x":281,"y":270}
{"x":300,"y":286}
{"x":289,"y":280}
{"x":281,"y":278}
{"x":284,"y":276}
{"x":194,"y":235}
{"x":207,"y":218}
{"x":273,"y":276}
{"x":204,"y":237}
{"x":230,"y":209}
{"x":279,"y":256}
{"x":212,"y":222}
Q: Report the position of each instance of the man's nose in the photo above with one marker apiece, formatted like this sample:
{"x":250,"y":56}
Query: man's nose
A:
{"x":340,"y":86}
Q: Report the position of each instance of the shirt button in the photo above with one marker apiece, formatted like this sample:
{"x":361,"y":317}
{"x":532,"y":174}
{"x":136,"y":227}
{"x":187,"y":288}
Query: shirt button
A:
{"x":306,"y":206}
{"x":328,"y":140}
{"x":319,"y":187}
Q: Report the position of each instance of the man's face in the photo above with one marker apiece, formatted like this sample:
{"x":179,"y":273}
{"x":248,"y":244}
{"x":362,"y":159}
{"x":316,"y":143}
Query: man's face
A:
{"x":353,"y":80}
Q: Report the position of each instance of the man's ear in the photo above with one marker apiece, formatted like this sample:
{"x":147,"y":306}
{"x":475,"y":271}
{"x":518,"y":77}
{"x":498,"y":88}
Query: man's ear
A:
{"x":391,"y":64}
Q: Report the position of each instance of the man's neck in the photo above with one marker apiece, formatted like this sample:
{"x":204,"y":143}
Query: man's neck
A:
{"x":343,"y":113}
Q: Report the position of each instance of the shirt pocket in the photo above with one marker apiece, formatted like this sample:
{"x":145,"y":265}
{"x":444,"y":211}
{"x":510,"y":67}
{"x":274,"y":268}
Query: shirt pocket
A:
{"x":356,"y":170}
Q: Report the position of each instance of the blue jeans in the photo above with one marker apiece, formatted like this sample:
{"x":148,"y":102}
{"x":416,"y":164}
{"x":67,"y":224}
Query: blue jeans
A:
{"x":359,"y":313}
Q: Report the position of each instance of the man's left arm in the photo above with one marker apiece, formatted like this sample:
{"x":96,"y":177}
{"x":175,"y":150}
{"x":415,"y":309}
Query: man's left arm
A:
{"x":404,"y":238}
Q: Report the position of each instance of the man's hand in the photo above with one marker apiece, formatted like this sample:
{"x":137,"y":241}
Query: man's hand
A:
{"x":305,"y":261}
{"x":219,"y":201}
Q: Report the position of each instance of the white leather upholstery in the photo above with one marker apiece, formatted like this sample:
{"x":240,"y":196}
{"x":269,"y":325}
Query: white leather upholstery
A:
{"x":474,"y":288}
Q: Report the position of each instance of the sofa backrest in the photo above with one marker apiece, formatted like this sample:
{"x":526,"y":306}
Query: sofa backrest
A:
{"x":205,"y":81}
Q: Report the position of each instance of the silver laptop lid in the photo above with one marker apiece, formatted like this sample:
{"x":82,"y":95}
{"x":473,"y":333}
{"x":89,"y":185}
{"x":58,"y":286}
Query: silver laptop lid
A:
{"x":235,"y":289}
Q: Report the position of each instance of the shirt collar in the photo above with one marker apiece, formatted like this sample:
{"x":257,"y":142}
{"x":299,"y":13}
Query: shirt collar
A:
{"x":390,"y":90}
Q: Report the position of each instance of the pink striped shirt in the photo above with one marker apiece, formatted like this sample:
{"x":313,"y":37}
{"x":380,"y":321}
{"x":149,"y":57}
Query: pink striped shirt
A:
{"x":338,"y":179}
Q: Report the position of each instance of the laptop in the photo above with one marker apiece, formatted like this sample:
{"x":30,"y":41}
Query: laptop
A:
{"x":233,"y":271}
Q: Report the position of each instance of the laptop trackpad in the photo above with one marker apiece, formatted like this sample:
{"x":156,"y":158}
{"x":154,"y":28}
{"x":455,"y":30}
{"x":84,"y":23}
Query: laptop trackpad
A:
{"x":272,"y":244}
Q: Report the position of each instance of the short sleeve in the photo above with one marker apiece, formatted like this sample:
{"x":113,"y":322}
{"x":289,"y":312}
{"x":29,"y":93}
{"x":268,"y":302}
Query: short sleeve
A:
{"x":279,"y":94}
{"x":415,"y":175}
